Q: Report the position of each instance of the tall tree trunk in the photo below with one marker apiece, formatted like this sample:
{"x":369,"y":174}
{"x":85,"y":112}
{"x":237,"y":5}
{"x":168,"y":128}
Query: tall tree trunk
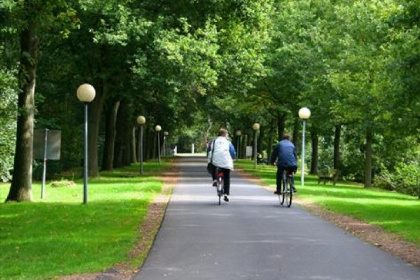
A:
{"x":368,"y":158}
{"x":244,"y":144}
{"x":271,"y":141}
{"x":21,"y":187}
{"x":135,"y":145}
{"x":260,"y":140}
{"x":110,"y":131}
{"x":295,"y":136}
{"x":337,"y":137}
{"x":155,"y":145}
{"x":120,"y":134}
{"x":314,"y":156}
{"x":281,"y":124}
{"x":96,"y":107}
{"x":127,"y":148}
{"x":151,"y":140}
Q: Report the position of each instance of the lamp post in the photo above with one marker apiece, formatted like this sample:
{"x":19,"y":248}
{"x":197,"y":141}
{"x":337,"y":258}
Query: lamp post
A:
{"x":304,"y":114}
{"x":165,"y":135}
{"x":256,"y":128}
{"x":85,"y":93}
{"x":141,"y":120}
{"x":158,"y":128}
{"x":238,"y":135}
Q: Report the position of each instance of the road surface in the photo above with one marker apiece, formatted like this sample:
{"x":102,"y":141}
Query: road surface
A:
{"x":252,"y":237}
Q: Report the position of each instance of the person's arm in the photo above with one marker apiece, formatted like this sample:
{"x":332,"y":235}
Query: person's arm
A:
{"x":232,"y":150}
{"x":274,"y":154}
{"x":210,"y":151}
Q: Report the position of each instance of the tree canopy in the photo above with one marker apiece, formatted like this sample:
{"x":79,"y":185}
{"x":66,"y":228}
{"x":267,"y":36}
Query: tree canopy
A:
{"x":193,"y":66}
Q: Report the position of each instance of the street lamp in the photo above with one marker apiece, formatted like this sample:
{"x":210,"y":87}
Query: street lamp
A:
{"x":304,"y":114}
{"x":141,"y":120}
{"x":238,"y":135}
{"x":158,"y":128}
{"x":85,"y":93}
{"x":256,"y":128}
{"x":165,"y":135}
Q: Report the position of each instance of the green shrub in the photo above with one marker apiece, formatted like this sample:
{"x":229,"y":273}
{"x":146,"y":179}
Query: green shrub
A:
{"x":403,"y":179}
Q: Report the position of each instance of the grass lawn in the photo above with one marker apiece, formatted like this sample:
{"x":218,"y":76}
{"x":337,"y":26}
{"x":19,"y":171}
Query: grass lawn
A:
{"x":59,"y":235}
{"x":394,"y":212}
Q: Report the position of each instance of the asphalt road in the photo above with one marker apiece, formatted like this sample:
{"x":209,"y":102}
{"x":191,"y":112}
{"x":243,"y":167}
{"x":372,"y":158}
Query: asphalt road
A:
{"x":252,"y":237}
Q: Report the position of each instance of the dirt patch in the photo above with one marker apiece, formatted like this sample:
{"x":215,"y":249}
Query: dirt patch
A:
{"x":376,"y":236}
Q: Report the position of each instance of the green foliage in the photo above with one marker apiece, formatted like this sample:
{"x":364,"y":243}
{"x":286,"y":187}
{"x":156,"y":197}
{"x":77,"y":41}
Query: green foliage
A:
{"x":403,"y":176}
{"x":7,"y":119}
{"x":194,"y":66}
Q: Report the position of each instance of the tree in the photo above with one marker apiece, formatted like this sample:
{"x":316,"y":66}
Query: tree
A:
{"x":29,"y":19}
{"x":362,"y":87}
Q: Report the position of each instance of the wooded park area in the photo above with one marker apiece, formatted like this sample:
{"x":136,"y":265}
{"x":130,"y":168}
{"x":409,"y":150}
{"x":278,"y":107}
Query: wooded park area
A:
{"x":193,"y":66}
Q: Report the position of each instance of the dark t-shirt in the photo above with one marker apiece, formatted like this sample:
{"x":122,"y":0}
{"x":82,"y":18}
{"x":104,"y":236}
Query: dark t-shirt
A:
{"x":285,"y":153}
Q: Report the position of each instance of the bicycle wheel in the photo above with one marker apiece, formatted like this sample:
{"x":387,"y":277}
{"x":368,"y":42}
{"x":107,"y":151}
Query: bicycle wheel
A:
{"x":288,"y":192}
{"x":282,"y":194}
{"x":220,"y":189}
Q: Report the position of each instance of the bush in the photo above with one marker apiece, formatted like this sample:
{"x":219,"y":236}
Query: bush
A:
{"x":62,"y":183}
{"x":404,"y":179}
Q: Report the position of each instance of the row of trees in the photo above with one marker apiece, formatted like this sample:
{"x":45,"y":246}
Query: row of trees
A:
{"x":192,"y":66}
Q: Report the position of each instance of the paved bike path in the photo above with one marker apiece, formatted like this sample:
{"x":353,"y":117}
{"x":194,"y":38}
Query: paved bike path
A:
{"x":252,"y":237}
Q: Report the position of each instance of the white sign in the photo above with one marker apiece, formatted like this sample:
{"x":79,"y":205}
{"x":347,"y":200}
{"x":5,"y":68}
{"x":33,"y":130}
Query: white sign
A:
{"x":248,"y":151}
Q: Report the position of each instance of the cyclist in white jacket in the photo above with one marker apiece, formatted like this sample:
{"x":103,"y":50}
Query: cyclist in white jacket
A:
{"x":221,"y":154}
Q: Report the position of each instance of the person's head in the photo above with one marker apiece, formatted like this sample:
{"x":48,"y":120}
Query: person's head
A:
{"x":286,"y":137}
{"x":223,"y":132}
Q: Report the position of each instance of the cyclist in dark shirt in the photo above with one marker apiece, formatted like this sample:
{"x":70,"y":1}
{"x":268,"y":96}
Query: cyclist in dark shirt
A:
{"x":285,"y":154}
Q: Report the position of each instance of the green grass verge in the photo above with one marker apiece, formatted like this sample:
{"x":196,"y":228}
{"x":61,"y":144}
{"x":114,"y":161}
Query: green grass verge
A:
{"x":394,"y":212}
{"x":59,"y":235}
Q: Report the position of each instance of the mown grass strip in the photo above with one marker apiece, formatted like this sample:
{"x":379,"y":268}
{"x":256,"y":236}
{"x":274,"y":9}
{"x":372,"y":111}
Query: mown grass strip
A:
{"x":59,"y":235}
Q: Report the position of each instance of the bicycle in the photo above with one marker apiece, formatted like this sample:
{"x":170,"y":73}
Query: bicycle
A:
{"x":286,"y":194}
{"x":220,"y":187}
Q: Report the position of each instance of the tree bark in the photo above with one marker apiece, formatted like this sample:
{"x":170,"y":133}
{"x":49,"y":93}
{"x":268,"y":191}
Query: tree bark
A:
{"x":368,"y":158}
{"x":281,"y":124}
{"x":120,"y":134}
{"x":295,"y":136}
{"x":21,"y":187}
{"x":271,"y":141}
{"x":135,"y":145}
{"x":127,"y":148}
{"x":110,"y":131}
{"x":314,"y":156}
{"x":96,"y":107}
{"x":337,"y":137}
{"x":260,"y":140}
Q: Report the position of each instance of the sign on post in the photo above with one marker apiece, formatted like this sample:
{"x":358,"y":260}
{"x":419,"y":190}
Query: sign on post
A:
{"x":46,"y":145}
{"x":248,"y":151}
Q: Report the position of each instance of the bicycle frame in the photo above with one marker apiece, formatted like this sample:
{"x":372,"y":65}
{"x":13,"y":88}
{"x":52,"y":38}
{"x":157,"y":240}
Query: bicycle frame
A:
{"x":286,"y":194}
{"x":220,"y":184}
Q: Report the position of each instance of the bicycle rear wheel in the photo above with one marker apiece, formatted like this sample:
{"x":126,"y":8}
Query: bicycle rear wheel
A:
{"x":282,"y":194}
{"x":220,"y":189}
{"x":288,"y":191}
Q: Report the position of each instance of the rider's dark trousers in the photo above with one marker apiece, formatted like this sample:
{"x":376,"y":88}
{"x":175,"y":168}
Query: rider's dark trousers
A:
{"x":279,"y":174}
{"x":226,"y":178}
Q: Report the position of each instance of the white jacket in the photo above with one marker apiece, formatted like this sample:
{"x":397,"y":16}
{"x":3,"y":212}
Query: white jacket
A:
{"x":221,"y":156}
